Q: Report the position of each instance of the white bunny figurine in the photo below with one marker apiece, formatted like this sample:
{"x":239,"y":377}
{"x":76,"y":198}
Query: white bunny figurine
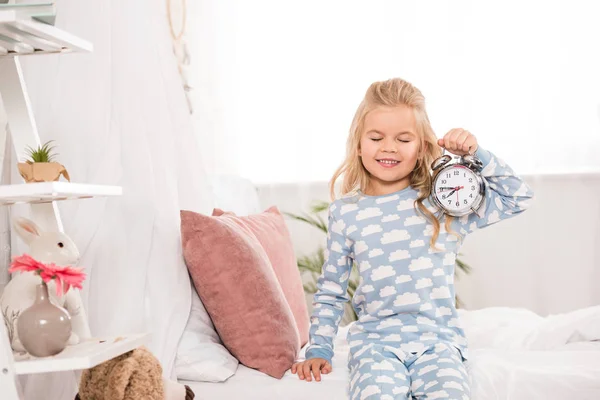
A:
{"x":19,"y":293}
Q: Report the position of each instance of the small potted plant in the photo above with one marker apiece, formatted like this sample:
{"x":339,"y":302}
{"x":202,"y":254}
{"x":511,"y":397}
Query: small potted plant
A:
{"x":40,"y":166}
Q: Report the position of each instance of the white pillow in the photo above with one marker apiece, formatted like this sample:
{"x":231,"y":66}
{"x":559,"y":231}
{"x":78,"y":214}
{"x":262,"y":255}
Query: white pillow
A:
{"x":201,"y":355}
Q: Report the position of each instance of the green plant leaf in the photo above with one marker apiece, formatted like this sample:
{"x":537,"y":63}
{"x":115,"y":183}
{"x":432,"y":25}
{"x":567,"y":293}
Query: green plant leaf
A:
{"x":43,"y":153}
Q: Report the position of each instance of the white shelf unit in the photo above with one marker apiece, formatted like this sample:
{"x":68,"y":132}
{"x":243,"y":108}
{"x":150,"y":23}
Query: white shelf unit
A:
{"x":22,"y":33}
{"x":84,"y":355}
{"x":47,"y":192}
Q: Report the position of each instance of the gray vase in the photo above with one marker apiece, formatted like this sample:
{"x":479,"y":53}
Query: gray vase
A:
{"x":44,"y":328}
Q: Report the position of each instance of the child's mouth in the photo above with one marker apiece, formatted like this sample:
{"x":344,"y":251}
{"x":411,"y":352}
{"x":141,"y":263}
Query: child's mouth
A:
{"x":388,"y":163}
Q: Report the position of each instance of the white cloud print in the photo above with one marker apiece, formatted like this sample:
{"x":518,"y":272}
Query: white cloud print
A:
{"x":364,"y":265}
{"x":336,"y":246}
{"x":406,"y":204}
{"x":494,"y":217}
{"x":406,"y":299}
{"x":346,"y":208}
{"x":403,"y":279}
{"x":369,"y":212}
{"x":420,"y":263}
{"x":373,"y":306}
{"x":385,"y":271}
{"x":399,"y":255}
{"x":338,"y":226}
{"x":387,"y":323}
{"x":351,"y":228}
{"x":423,"y":283}
{"x":441,"y":292}
{"x":369,"y":391}
{"x":387,"y":291}
{"x":428,"y":231}
{"x":329,"y":286}
{"x":394,"y":337}
{"x":331,"y":268}
{"x":417,"y":243}
{"x":449,"y":258}
{"x":390,"y":218}
{"x":360,"y":247}
{"x":367,"y":288}
{"x":375,"y":253}
{"x":395,"y":235}
{"x":387,"y":199}
{"x":438,"y":272}
{"x":414,"y":220}
{"x":370,"y":229}
{"x":443,"y":311}
{"x":326,"y":312}
{"x":325,"y":330}
{"x":384,"y":365}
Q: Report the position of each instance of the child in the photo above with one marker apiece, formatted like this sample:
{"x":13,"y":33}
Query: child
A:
{"x":408,"y":341}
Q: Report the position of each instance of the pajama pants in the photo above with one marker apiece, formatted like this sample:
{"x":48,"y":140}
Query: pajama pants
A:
{"x":378,"y":373}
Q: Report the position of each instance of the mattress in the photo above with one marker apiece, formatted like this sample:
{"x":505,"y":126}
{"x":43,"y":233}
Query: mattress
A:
{"x":571,"y":371}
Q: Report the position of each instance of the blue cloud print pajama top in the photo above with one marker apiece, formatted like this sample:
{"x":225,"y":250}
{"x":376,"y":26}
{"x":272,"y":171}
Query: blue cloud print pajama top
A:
{"x":408,"y":341}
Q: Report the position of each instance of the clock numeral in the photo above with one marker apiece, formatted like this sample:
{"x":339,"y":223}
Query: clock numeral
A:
{"x":456,"y":172}
{"x":470,"y":180}
{"x":471,"y":195}
{"x":457,"y":204}
{"x":449,"y":201}
{"x":448,"y":175}
{"x":443,"y":181}
{"x":473,"y":187}
{"x":443,"y":197}
{"x":466,"y":201}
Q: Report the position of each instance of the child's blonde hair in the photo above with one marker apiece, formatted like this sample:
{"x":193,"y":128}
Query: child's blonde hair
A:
{"x":392,"y":93}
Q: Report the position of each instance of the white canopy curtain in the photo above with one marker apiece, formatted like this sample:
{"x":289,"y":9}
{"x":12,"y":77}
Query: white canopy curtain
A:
{"x":119,"y":117}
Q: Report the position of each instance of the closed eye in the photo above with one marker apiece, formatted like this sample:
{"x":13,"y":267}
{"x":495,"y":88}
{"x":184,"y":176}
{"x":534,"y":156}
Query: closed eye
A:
{"x":375,"y":140}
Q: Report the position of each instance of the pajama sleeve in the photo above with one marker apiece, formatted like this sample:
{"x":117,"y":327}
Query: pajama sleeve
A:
{"x":506,"y":194}
{"x":332,"y":288}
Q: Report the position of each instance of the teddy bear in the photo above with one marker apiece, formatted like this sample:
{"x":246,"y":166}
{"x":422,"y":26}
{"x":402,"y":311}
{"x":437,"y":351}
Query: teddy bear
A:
{"x":135,"y":375}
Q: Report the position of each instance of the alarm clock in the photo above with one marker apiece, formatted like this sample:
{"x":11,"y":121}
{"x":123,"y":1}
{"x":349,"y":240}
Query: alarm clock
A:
{"x":458,"y":188}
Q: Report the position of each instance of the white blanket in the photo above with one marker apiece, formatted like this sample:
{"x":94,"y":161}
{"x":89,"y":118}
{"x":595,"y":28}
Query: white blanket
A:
{"x":519,"y":329}
{"x":514,"y":355}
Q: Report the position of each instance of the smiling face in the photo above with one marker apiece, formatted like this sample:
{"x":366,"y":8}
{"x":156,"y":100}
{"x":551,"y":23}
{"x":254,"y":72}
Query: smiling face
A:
{"x":389,"y":148}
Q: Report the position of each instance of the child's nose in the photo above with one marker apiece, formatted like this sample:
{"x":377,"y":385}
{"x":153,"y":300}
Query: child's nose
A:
{"x":389,"y":146}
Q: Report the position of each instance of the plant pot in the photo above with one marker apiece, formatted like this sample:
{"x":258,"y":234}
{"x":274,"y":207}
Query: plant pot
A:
{"x":42,"y":171}
{"x":44,"y":328}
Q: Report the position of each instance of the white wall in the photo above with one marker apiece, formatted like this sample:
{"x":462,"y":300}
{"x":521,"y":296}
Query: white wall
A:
{"x":546,"y":259}
{"x":276,"y":83}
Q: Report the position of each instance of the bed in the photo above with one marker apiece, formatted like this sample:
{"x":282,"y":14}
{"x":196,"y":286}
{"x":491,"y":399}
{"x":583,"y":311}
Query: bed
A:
{"x":514,"y":354}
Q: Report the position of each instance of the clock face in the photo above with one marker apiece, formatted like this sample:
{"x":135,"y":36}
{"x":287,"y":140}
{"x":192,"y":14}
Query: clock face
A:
{"x":456,"y":188}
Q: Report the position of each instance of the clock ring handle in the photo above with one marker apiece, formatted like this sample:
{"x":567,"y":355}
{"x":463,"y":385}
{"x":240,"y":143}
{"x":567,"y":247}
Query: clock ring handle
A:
{"x":473,"y":162}
{"x":440,"y":162}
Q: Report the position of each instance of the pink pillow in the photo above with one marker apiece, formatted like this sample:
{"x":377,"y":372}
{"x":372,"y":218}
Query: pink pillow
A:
{"x":271,"y":231}
{"x":235,"y":281}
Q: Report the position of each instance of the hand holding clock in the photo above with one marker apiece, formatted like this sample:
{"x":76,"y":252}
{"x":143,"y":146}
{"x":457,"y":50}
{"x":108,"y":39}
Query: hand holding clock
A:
{"x":459,"y":142}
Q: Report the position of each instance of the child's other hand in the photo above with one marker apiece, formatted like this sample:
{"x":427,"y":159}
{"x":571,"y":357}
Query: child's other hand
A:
{"x":459,"y":142}
{"x":317,"y":366}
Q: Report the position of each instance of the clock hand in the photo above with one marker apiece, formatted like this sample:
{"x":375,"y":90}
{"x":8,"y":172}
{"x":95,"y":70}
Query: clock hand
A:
{"x":451,"y":193}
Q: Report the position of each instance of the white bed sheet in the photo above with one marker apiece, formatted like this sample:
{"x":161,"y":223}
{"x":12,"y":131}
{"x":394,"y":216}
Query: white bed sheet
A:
{"x":568,"y":371}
